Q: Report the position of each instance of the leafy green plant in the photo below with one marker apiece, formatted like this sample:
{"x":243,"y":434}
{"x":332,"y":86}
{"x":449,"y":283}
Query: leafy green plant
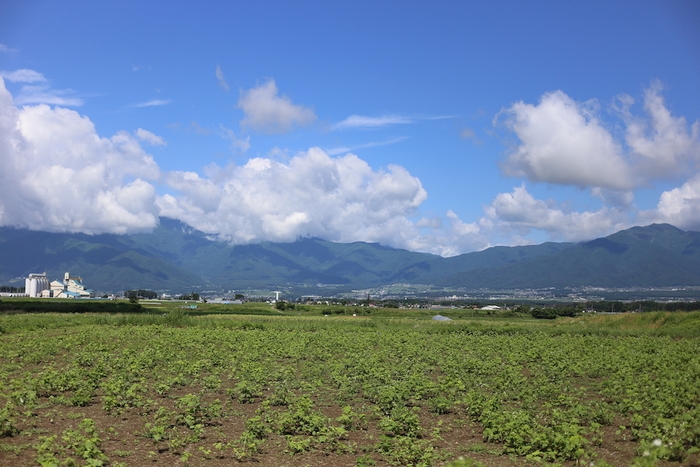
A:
{"x":351,"y":420}
{"x":246,"y":392}
{"x":365,"y":461}
{"x":301,"y":419}
{"x":298,"y":444}
{"x":401,"y":422}
{"x":84,"y":443}
{"x":407,"y":451}
{"x":651,"y":453}
{"x":440,"y":405}
{"x":7,"y":427}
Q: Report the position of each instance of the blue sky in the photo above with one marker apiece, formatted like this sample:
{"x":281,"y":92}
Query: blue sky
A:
{"x":444,"y":127}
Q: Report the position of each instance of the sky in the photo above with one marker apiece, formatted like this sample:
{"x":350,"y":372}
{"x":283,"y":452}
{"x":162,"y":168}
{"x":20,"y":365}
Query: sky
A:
{"x":443,"y":127}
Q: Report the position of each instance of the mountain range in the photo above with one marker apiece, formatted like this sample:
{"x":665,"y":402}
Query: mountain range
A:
{"x":175,"y":257}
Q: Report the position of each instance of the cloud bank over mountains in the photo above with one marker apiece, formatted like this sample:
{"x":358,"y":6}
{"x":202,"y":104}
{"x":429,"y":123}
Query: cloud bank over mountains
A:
{"x":58,"y":174}
{"x":340,"y":198}
{"x":563,"y":142}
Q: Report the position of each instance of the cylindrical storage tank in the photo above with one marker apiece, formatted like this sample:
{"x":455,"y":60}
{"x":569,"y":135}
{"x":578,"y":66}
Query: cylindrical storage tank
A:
{"x":35,"y":283}
{"x":43,"y":284}
{"x":30,"y":286}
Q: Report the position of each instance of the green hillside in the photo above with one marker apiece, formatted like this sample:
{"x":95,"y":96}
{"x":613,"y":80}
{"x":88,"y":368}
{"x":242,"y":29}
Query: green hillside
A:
{"x":659,"y":255}
{"x":176,"y":257}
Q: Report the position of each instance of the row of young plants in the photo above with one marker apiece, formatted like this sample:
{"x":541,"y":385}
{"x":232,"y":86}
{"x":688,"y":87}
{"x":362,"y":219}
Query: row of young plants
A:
{"x":374,"y":395}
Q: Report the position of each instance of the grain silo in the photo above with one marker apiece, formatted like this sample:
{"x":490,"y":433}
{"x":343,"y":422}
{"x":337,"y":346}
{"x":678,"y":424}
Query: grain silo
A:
{"x":35,"y":284}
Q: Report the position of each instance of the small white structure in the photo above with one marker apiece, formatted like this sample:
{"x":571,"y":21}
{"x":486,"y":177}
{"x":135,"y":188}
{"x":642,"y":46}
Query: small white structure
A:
{"x":71,"y":287}
{"x":441,"y":318}
{"x":490,"y":308}
{"x":35,"y":284}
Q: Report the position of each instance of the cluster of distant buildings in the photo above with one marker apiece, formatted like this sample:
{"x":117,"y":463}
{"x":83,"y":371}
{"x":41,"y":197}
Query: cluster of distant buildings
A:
{"x":38,"y":285}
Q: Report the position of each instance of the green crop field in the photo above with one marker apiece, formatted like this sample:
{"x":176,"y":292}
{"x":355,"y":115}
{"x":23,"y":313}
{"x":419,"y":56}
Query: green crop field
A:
{"x":252,"y":385}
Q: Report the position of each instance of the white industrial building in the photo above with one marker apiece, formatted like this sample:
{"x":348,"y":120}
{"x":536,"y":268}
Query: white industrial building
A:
{"x":35,"y":284}
{"x":70,"y":287}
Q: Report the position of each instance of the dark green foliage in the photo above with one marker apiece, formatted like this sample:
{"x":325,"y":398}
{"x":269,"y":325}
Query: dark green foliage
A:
{"x":566,"y":311}
{"x":191,"y":296}
{"x":69,"y":306}
{"x":544,"y":313}
{"x":284,"y":306}
{"x":140,"y":293}
{"x":7,"y":427}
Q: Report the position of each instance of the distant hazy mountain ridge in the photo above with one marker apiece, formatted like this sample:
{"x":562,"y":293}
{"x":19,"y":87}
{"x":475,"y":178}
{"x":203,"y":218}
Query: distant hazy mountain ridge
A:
{"x":179,"y":258}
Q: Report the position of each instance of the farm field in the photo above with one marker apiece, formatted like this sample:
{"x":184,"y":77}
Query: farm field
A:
{"x":298,"y":389}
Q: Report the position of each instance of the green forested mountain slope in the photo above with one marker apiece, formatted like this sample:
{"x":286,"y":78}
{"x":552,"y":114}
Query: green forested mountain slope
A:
{"x":654,"y":256}
{"x":179,"y":258}
{"x":106,"y":262}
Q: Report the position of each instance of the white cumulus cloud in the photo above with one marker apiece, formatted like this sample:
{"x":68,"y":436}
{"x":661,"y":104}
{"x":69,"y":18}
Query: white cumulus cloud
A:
{"x":314,"y":194}
{"x":521,"y":212}
{"x":562,"y":142}
{"x":679,"y":206}
{"x":59,"y":175}
{"x":267,"y":112}
{"x":662,"y":145}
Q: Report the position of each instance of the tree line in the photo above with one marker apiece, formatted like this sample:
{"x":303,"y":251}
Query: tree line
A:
{"x":140,"y":293}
